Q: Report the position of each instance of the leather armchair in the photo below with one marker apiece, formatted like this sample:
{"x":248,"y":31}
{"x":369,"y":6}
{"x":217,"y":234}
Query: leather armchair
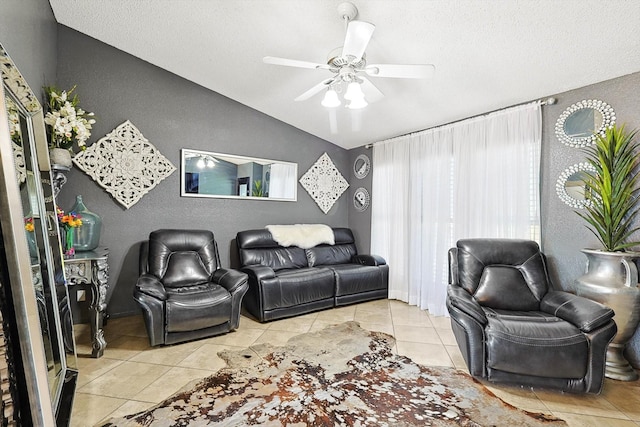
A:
{"x":511,"y":326}
{"x":183,"y":292}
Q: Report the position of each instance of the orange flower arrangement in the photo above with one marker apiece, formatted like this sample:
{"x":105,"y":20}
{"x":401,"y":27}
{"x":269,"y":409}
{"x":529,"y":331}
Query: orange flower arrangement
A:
{"x":68,"y":222}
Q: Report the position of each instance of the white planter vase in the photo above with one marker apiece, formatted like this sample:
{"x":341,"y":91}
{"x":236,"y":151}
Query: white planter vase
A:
{"x":612,"y":279}
{"x":61,"y":157}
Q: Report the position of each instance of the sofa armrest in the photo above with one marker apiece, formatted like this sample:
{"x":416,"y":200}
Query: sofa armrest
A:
{"x":152,"y":286}
{"x":229,"y":279}
{"x":368,"y":260}
{"x":585,"y":314}
{"x":259,"y":272}
{"x":464,"y":301}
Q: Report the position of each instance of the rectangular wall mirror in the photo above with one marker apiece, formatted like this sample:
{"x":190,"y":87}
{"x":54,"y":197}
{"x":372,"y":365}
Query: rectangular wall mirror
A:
{"x":207,"y":174}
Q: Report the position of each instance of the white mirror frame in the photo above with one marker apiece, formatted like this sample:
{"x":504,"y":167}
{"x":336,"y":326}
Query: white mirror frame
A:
{"x":608,"y":120}
{"x":561,"y":188}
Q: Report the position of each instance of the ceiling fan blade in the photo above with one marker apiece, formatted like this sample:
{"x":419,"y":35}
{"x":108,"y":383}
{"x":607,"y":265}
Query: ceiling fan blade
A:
{"x":371,"y":92}
{"x":357,"y":38}
{"x":317,"y":88}
{"x":413,"y":71}
{"x":293,"y":63}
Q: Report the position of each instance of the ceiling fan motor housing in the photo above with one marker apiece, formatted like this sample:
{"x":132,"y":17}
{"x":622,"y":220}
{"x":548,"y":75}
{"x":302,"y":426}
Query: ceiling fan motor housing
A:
{"x":336,"y":61}
{"x":347,"y":11}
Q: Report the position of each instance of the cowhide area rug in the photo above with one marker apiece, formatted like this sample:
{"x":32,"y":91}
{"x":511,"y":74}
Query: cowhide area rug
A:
{"x":340,"y":376}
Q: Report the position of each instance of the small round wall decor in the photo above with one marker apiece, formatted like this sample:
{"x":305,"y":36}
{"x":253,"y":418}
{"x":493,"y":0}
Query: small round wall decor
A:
{"x":361,"y":166}
{"x":361,"y":199}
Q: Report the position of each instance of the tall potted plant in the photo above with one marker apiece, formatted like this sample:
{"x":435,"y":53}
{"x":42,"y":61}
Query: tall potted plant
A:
{"x":612,"y":275}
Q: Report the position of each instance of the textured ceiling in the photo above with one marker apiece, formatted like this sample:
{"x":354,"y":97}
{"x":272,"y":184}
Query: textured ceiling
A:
{"x":488,"y":54}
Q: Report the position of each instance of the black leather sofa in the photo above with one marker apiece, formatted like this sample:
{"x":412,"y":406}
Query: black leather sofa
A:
{"x":288,"y":281}
{"x":512,"y":326}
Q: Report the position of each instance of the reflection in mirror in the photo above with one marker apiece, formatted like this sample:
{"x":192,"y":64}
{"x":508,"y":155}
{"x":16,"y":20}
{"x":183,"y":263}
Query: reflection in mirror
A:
{"x":579,"y":125}
{"x":583,"y":123}
{"x":207,"y":174}
{"x":571,"y":186}
{"x":361,"y":166}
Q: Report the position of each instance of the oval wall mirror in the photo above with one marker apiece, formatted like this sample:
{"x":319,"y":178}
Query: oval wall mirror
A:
{"x":361,"y":166}
{"x":579,"y":124}
{"x":361,"y":199}
{"x":571,"y":185}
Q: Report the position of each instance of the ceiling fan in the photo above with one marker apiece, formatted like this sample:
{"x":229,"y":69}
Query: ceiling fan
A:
{"x":349,"y":67}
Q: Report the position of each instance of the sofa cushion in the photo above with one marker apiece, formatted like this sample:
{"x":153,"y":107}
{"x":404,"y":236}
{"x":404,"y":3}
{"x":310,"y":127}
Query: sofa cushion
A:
{"x":536,"y":337}
{"x":298,"y":286}
{"x":183,"y":269}
{"x":330,"y":255}
{"x":356,"y":278}
{"x":277,"y":258}
{"x":475,"y":255}
{"x":505,"y":287}
{"x":191,"y":307}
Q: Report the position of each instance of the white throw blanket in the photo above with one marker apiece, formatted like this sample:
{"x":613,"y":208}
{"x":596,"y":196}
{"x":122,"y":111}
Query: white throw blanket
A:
{"x":304,"y":236}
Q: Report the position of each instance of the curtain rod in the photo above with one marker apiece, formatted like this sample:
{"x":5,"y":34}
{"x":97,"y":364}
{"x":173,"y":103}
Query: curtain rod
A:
{"x":549,"y":101}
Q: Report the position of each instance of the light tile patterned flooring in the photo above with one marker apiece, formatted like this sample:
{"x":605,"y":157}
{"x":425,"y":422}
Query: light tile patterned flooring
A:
{"x":131,"y":376}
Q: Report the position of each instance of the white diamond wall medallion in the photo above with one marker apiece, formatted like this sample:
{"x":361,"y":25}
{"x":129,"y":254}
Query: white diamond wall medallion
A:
{"x":324,"y":183}
{"x":125,"y":164}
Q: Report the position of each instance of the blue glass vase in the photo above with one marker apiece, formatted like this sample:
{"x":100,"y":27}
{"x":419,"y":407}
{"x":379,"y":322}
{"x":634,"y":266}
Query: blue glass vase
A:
{"x":87,"y":236}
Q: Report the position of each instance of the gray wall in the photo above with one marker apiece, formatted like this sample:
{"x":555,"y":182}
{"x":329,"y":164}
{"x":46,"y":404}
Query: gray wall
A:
{"x":28,"y":33}
{"x":173,"y":113}
{"x":563,"y":232}
{"x":360,"y":222}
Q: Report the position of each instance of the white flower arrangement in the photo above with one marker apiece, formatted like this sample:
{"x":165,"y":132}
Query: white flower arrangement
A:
{"x":66,"y":122}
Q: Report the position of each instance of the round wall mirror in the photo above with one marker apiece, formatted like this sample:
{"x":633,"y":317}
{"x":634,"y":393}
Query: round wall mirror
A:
{"x":361,"y":199}
{"x":579,"y":125}
{"x":571,"y":186}
{"x":361,"y":166}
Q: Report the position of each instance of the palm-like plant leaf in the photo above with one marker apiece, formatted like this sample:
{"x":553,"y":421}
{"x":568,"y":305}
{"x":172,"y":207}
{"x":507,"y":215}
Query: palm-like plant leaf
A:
{"x":613,"y":188}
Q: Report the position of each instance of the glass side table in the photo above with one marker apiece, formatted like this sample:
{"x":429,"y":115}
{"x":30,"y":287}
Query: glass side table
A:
{"x":91,"y":268}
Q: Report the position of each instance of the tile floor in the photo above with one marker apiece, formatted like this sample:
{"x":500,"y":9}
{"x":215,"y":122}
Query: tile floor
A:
{"x":131,"y":376}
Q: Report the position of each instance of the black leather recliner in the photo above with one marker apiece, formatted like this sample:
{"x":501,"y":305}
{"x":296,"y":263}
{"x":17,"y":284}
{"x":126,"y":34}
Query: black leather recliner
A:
{"x":183,"y":292}
{"x":511,"y":326}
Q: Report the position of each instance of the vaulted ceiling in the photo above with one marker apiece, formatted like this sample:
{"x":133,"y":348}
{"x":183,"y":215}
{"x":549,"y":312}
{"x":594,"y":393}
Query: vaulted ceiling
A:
{"x":488,"y":54}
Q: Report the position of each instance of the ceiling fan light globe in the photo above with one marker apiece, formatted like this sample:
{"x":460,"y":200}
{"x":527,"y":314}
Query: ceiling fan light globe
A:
{"x":357,"y":104}
{"x":354,"y":91}
{"x":331,"y":99}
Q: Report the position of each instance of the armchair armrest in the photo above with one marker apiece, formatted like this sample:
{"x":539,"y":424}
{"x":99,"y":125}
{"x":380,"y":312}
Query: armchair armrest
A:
{"x":464,"y":301}
{"x":152,"y":286}
{"x":369,"y":260}
{"x":231,"y":280}
{"x":259,"y":272}
{"x":584,"y":313}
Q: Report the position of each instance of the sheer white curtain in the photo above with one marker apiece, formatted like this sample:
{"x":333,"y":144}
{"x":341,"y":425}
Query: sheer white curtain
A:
{"x":475,"y":178}
{"x":280,"y":181}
